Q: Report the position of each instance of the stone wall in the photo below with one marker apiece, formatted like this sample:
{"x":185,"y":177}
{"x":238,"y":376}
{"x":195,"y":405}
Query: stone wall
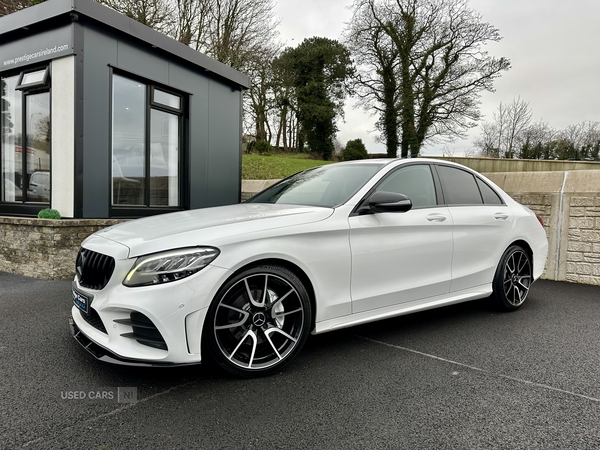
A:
{"x":43,"y":248}
{"x":583,"y":249}
{"x":569,"y":203}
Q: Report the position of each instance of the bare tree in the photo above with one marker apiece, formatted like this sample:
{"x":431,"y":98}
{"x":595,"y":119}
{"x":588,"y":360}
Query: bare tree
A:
{"x":190,"y":21}
{"x":582,"y":140}
{"x":518,"y":117}
{"x":471,"y":152}
{"x":375,"y":82}
{"x":235,"y":31}
{"x":502,"y":137}
{"x":447,"y":151}
{"x":441,"y":65}
{"x":592,"y":140}
{"x":156,"y":14}
{"x":11,"y":6}
{"x":239,"y":33}
{"x":231,"y":31}
{"x":537,"y":141}
{"x":574,"y":134}
{"x":488,"y":141}
{"x":260,"y":100}
{"x":499,"y":127}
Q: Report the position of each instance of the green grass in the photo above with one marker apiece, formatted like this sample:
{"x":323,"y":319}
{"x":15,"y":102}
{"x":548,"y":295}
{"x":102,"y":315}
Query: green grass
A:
{"x":279,"y":165}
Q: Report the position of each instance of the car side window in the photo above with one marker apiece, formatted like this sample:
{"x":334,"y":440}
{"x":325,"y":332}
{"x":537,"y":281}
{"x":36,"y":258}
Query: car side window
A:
{"x":459,"y":186}
{"x":490,"y":197}
{"x":414,"y":181}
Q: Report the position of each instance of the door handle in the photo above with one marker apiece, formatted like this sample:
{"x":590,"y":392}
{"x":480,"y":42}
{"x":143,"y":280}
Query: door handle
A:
{"x":436,"y":218}
{"x":500,"y":216}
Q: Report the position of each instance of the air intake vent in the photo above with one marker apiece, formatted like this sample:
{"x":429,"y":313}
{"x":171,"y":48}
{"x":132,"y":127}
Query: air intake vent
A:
{"x":94,"y":320}
{"x":94,"y":269}
{"x":144,"y":331}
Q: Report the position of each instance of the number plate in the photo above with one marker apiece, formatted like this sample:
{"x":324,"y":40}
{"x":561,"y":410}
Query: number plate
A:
{"x":81,"y":300}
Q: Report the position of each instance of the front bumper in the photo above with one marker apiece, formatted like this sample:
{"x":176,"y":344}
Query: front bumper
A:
{"x":158,"y":325}
{"x":105,"y":355}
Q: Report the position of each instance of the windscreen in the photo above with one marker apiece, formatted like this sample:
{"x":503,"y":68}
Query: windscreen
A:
{"x":327,"y":186}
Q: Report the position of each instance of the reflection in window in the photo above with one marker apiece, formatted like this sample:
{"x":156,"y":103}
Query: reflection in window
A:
{"x":37,"y":112}
{"x":35,"y":79}
{"x":128,"y":142}
{"x":459,"y":186}
{"x":164,"y":98}
{"x":145,"y":158}
{"x":489,"y":195}
{"x":10,"y":122}
{"x":25,"y":144}
{"x":416,"y":182}
{"x":327,"y":186}
{"x":164,"y":159}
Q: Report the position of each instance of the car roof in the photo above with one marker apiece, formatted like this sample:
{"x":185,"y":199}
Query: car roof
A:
{"x":399,"y":161}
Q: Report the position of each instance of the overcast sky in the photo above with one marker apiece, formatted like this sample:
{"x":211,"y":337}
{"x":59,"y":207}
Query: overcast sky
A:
{"x":553,"y":46}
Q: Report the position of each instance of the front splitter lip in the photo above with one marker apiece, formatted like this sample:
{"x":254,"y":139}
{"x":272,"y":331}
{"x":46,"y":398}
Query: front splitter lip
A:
{"x":105,"y":355}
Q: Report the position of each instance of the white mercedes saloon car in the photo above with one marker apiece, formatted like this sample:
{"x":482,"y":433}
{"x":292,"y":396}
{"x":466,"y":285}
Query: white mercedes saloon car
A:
{"x":327,"y":248}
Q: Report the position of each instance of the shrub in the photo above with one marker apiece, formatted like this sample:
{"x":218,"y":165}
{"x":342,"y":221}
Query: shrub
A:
{"x":249,"y":147}
{"x":49,"y":214}
{"x":355,"y":149}
{"x":263,"y":148}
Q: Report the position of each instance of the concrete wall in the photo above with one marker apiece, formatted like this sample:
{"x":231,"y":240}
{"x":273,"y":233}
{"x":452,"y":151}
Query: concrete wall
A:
{"x":569,"y":203}
{"x":63,"y":135}
{"x":486,"y":165}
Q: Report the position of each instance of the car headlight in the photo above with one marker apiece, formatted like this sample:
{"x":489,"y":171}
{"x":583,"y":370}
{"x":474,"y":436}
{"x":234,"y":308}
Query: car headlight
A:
{"x":169,"y":266}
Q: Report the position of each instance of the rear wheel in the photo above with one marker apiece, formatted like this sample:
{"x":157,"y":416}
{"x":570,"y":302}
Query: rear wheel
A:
{"x":513,"y":278}
{"x":259,"y":321}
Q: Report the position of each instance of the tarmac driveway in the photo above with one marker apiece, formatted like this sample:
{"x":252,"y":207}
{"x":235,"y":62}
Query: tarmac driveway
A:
{"x":465,"y":376}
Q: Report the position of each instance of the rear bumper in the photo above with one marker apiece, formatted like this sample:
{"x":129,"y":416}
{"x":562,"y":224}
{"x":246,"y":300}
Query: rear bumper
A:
{"x":102,"y":354}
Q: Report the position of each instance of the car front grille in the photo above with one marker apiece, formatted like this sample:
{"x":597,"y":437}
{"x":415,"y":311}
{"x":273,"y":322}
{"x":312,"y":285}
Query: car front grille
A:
{"x":94,"y":269}
{"x":144,"y":331}
{"x":94,"y":320}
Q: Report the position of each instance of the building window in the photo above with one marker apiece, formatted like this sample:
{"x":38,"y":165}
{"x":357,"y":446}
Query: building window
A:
{"x":146,"y":145}
{"x":34,"y":79}
{"x":25,"y":142}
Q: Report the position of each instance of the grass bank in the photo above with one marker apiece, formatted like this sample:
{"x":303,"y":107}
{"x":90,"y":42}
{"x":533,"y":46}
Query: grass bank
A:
{"x":279,"y":165}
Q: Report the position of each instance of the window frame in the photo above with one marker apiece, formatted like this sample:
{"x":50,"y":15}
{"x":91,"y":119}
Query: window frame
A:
{"x":25,"y":207}
{"x":134,"y":211}
{"x":477,"y":180}
{"x":393,"y":173}
{"x":481,"y":181}
{"x":42,"y":84}
{"x":162,"y":106}
{"x":362,"y":207}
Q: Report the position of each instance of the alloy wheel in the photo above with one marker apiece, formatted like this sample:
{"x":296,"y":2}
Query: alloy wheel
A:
{"x":260,"y":320}
{"x":517,"y":277}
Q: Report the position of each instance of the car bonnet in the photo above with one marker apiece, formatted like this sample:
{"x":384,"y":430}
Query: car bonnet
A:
{"x":207,"y":226}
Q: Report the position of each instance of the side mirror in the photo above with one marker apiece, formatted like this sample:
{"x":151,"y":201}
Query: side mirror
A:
{"x":383,"y":201}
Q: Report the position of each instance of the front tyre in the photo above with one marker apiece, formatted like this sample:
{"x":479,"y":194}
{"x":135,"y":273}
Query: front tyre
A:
{"x":258,"y":321}
{"x":512,"y":279}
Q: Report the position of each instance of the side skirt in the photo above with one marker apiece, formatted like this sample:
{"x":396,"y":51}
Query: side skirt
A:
{"x":403,"y":309}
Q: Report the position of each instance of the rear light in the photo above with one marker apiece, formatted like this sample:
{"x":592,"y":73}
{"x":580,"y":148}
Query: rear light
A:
{"x":540,"y":220}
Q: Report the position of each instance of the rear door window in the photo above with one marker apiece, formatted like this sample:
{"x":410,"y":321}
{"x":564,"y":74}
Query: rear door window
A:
{"x":459,"y":186}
